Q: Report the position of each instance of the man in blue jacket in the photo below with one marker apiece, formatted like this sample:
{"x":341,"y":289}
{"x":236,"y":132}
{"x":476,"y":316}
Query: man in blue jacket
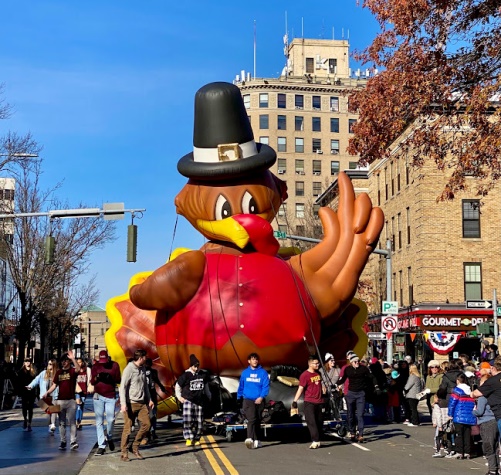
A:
{"x":253,"y":388}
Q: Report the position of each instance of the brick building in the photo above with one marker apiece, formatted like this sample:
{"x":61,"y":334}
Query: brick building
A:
{"x":443,"y":254}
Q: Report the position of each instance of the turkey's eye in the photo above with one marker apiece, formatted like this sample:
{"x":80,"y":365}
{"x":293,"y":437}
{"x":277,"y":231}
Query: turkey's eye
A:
{"x":249,"y":205}
{"x":223,"y":208}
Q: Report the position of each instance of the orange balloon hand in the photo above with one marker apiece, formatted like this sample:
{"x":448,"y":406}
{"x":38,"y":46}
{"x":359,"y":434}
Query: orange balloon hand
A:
{"x":331,"y":269}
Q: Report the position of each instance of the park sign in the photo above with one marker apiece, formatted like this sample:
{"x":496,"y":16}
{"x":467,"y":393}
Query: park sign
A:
{"x":390,"y":307}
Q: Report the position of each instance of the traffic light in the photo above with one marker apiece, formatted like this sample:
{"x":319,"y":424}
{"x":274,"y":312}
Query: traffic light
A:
{"x":131,"y":243}
{"x":50,"y":245}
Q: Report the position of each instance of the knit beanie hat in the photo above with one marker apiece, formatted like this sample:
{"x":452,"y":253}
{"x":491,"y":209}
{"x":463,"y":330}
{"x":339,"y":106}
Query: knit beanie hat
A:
{"x":194,"y":360}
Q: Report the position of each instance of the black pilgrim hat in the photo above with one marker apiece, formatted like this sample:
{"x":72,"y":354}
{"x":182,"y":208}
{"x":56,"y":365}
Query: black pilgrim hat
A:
{"x":223,"y":141}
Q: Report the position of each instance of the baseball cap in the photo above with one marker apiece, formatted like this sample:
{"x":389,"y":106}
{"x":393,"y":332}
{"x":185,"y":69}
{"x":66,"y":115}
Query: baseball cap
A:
{"x":103,"y":356}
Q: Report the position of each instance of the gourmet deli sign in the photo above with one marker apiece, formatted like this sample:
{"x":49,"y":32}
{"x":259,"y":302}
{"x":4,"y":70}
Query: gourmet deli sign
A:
{"x":450,"y":323}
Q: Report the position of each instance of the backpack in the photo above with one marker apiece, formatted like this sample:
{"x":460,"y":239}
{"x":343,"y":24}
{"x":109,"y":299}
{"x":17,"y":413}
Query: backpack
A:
{"x":274,"y":412}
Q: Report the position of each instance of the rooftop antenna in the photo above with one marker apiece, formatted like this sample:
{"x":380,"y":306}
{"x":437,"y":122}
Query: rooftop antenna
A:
{"x":255,"y":49}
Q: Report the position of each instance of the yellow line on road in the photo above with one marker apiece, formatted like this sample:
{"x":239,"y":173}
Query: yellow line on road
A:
{"x":222,"y":457}
{"x":213,"y":462}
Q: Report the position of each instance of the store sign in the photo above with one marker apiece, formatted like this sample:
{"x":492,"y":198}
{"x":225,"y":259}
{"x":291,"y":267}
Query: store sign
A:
{"x":429,"y":322}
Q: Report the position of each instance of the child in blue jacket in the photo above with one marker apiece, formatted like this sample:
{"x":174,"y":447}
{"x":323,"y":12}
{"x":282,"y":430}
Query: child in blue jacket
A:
{"x":253,"y":388}
{"x":460,"y":408}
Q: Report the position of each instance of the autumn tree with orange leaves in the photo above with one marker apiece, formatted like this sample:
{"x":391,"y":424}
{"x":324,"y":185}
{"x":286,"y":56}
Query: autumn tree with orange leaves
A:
{"x":441,"y":71}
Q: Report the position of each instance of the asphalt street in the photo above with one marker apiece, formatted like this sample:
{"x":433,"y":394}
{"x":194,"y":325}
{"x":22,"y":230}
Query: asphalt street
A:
{"x":389,"y":449}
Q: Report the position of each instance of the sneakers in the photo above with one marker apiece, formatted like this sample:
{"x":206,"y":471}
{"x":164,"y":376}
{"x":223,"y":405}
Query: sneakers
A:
{"x":249,"y":443}
{"x":74,"y":446}
{"x":62,"y":446}
{"x":111,"y":445}
{"x":100,"y":451}
{"x":438,"y":455}
{"x":189,"y":442}
{"x":257,"y":444}
{"x":315,"y":445}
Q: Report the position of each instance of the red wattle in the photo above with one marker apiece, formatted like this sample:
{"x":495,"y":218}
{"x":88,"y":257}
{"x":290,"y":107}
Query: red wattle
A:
{"x":260,"y":233}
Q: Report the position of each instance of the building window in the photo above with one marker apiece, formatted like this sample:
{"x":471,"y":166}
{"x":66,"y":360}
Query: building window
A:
{"x":263,"y":100}
{"x":299,"y":166}
{"x":334,"y":125}
{"x":316,"y":145}
{"x":317,"y":188}
{"x":299,"y":188}
{"x":265,"y":140}
{"x":317,"y":167}
{"x":281,"y":101}
{"x":282,"y":211}
{"x":315,"y":103}
{"x":247,"y":101}
{"x":299,"y":230}
{"x":299,"y":210}
{"x":335,"y":147}
{"x":471,"y":218}
{"x":282,"y":166}
{"x":282,"y":144}
{"x":316,"y":124}
{"x":281,"y":122}
{"x":353,"y":165}
{"x":299,"y":123}
{"x":299,"y":148}
{"x":334,"y":167}
{"x":334,"y":104}
{"x":332,"y":66}
{"x":472,"y":281}
{"x":408,"y":212}
{"x":351,"y":123}
{"x":399,"y":231}
{"x":263,"y":121}
{"x":310,"y":65}
{"x":299,"y":101}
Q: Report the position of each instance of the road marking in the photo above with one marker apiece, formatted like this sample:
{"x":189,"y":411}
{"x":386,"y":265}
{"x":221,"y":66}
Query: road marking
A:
{"x":358,"y":446}
{"x":217,"y":469}
{"x":222,"y":457}
{"x":210,"y":443}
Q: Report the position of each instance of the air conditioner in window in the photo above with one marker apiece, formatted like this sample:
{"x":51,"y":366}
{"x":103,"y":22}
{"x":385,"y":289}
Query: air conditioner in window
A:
{"x":319,"y":152}
{"x":281,"y":172}
{"x":334,"y":151}
{"x":316,"y":173}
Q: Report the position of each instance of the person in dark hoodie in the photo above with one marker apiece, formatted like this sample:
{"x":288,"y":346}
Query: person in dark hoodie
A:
{"x":190,"y":390}
{"x":253,"y":388}
{"x":450,"y":377}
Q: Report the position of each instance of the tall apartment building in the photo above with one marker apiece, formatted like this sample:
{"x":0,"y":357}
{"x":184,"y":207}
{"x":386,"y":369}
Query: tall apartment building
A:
{"x":304,"y":116}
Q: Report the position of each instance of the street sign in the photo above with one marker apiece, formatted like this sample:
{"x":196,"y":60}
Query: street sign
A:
{"x":478,"y":304}
{"x":376,"y":336}
{"x":279,"y":234}
{"x":389,"y":323}
{"x":390,"y":307}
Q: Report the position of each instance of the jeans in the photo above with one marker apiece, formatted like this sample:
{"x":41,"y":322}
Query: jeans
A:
{"x":104,"y":405}
{"x":355,"y":400}
{"x":80,"y":398}
{"x":68,"y":409}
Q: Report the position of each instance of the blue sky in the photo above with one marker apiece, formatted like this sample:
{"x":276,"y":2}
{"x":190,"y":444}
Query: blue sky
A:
{"x":107,"y":88}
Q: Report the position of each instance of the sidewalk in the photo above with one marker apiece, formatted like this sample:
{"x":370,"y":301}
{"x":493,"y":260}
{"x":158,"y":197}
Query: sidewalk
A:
{"x":37,"y":451}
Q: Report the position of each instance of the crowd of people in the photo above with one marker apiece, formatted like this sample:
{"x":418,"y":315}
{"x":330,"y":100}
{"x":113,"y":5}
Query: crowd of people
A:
{"x":463,"y":399}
